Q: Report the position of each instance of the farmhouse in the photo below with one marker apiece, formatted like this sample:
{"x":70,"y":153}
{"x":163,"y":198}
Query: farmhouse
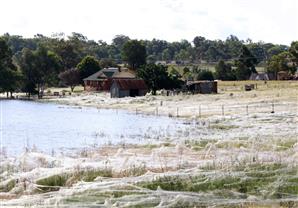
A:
{"x":102,"y":80}
{"x":128,"y":87}
{"x":204,"y":87}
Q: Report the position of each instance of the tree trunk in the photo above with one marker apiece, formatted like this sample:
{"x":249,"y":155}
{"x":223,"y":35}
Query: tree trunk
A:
{"x":72,"y":88}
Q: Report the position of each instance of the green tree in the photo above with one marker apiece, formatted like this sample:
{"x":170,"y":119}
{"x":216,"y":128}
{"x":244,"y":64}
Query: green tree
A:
{"x":281,"y":62}
{"x":40,"y":68}
{"x":205,"y":75}
{"x":9,"y":75}
{"x":245,"y":64}
{"x":294,"y":51}
{"x":224,"y":71}
{"x":134,"y":53}
{"x":157,"y":77}
{"x":88,"y":66}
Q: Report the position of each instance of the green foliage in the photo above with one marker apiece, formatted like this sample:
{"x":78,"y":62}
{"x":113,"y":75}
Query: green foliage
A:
{"x":8,"y":186}
{"x":294,"y":51}
{"x":245,"y":64}
{"x":157,"y":77}
{"x":224,"y":71}
{"x":88,"y":66}
{"x":134,"y":52}
{"x":9,"y":75}
{"x":39,"y":68}
{"x":205,"y":75}
{"x":281,"y":62}
{"x":52,"y":183}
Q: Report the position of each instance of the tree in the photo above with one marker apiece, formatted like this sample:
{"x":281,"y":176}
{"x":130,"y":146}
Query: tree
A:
{"x":39,"y":68}
{"x":9,"y":75}
{"x":70,"y":78}
{"x":245,"y":64}
{"x":205,"y":75}
{"x":27,"y":64}
{"x":88,"y":66}
{"x":107,"y":62}
{"x":69,"y":54}
{"x":224,"y":71}
{"x":134,"y":53}
{"x":281,"y":62}
{"x":47,"y":66}
{"x":157,"y":77}
{"x":294,"y":51}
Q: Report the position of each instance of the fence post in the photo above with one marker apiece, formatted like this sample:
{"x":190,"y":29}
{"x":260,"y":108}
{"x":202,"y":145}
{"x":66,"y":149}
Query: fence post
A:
{"x":157,"y":111}
{"x":222,"y":110}
{"x":272,"y":110}
{"x":246,"y":109}
{"x":136,"y":111}
{"x":200,"y":111}
{"x":177,"y":112}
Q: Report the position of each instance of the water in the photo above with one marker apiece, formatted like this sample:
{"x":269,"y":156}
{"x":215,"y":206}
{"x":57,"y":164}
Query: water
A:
{"x":51,"y":127}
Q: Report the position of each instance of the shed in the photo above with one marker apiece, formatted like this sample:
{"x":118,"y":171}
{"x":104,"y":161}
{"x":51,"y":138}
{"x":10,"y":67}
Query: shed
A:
{"x":283,"y":75}
{"x":259,"y":76}
{"x":204,"y":87}
{"x":128,"y":88}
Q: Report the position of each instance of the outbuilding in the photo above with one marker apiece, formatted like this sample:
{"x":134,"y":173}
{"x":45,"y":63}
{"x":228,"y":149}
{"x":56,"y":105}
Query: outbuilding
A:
{"x":204,"y":87}
{"x":128,"y":88}
{"x":261,"y":76}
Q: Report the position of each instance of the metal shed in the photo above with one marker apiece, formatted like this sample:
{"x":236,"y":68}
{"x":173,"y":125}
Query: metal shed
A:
{"x":128,"y":88}
{"x":204,"y":87}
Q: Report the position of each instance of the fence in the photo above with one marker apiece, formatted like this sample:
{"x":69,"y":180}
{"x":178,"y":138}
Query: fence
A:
{"x":201,"y":110}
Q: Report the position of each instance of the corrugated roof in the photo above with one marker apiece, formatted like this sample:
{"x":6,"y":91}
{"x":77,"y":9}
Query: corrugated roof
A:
{"x":111,"y":73}
{"x":127,"y":84}
{"x":198,"y":82}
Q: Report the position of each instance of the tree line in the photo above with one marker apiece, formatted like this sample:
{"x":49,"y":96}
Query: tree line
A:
{"x":31,"y":64}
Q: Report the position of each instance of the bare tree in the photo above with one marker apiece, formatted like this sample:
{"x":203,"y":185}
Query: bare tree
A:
{"x":70,"y":78}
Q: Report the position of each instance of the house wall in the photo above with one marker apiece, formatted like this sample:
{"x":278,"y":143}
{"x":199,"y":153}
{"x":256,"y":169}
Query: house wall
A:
{"x":114,"y":91}
{"x":123,"y":93}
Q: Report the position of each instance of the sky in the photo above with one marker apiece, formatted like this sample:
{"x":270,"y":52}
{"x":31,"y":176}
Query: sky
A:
{"x":273,"y":21}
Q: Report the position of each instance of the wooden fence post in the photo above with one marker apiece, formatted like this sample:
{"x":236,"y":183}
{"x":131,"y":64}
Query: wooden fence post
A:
{"x":157,"y":111}
{"x":272,"y":110}
{"x":177,"y":112}
{"x":200,"y":111}
{"x":222,"y":110}
{"x":246,"y":109}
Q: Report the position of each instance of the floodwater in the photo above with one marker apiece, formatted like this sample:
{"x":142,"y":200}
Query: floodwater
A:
{"x":51,"y":127}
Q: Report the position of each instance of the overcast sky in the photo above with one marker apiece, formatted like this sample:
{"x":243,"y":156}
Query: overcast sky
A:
{"x":268,"y":20}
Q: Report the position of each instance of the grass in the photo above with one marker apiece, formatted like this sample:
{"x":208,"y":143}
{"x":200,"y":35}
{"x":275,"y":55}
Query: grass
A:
{"x":8,"y":186}
{"x":55,"y":182}
{"x":268,"y":181}
{"x":222,"y":127}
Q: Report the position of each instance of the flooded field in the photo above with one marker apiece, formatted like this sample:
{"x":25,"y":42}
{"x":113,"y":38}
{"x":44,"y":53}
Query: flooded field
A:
{"x":112,"y":158}
{"x":50,"y":127}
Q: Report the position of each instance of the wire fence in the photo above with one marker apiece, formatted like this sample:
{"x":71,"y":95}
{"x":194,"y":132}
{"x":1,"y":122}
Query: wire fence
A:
{"x":204,"y":110}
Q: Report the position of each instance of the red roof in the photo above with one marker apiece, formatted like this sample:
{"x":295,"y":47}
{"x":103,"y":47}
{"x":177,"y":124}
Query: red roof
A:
{"x":127,"y":84}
